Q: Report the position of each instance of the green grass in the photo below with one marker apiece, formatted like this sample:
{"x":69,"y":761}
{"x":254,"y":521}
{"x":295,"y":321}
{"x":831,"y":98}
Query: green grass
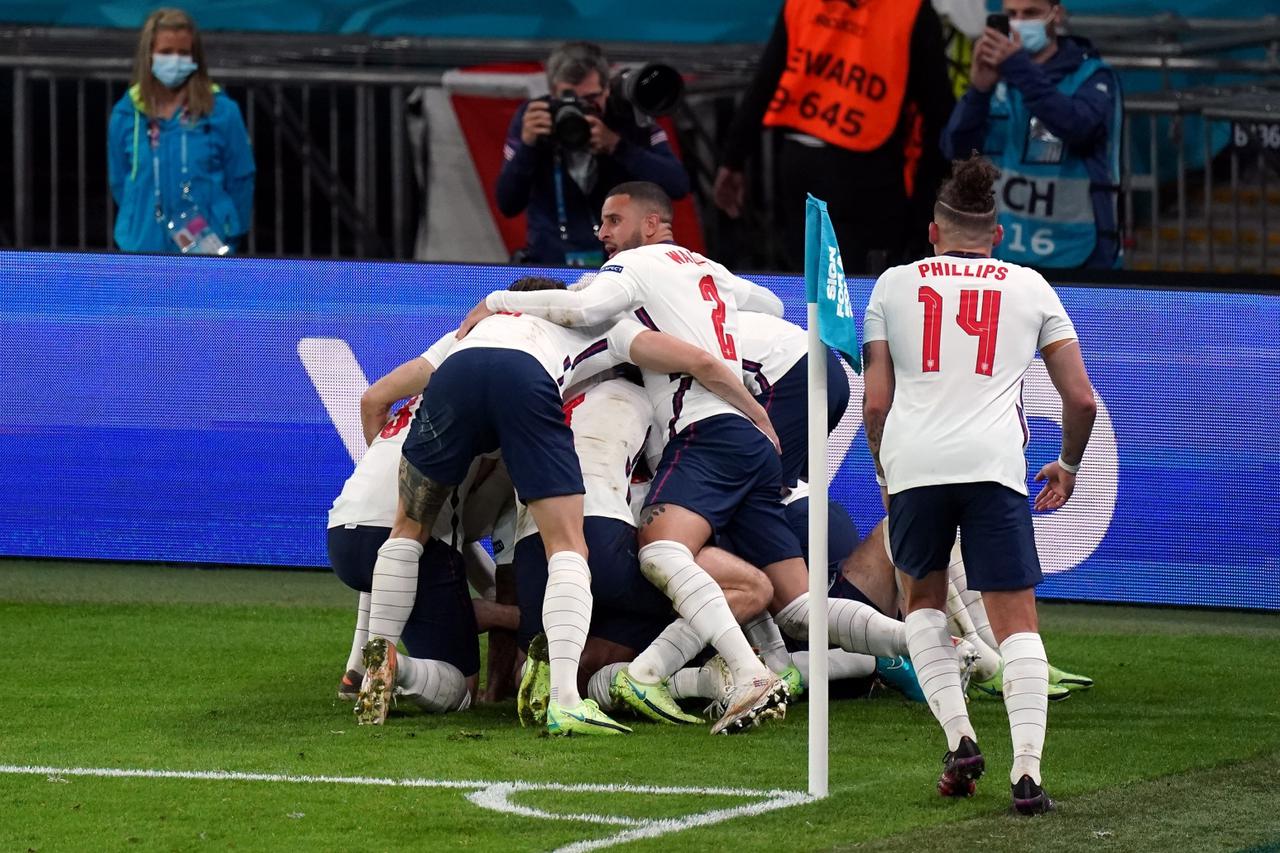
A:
{"x":149,"y":667}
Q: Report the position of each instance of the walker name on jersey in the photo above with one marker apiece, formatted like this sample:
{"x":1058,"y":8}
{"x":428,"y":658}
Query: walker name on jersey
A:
{"x":975,"y":270}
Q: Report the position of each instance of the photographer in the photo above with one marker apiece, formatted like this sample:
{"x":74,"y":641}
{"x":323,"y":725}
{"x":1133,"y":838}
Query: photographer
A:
{"x":1047,"y":111}
{"x":560,"y":169}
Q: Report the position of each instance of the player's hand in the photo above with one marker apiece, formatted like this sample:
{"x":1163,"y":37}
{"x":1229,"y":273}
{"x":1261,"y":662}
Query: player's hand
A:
{"x":729,"y":192}
{"x":1059,"y":485}
{"x":983,"y":75}
{"x":536,"y":123}
{"x":475,"y":315}
{"x":603,"y":140}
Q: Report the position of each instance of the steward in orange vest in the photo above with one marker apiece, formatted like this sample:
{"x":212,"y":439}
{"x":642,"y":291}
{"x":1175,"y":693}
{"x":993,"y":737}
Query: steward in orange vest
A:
{"x":858,"y":91}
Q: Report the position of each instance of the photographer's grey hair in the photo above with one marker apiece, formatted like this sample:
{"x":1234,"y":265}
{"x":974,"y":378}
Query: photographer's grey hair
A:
{"x":571,"y":63}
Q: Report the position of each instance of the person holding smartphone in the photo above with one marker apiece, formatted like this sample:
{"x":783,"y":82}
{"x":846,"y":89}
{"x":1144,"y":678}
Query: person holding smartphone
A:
{"x":1046,"y":110}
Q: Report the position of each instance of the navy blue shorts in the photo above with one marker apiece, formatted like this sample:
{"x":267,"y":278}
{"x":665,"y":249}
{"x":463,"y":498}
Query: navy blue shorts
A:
{"x":997,"y":539}
{"x":726,"y":471}
{"x":485,"y":398}
{"x":626,"y":608}
{"x":787,"y":402}
{"x":842,"y":533}
{"x":442,"y":624}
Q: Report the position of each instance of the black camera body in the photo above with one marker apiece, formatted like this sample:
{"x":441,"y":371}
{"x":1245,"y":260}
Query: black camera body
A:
{"x":569,"y":125}
{"x":646,"y":90}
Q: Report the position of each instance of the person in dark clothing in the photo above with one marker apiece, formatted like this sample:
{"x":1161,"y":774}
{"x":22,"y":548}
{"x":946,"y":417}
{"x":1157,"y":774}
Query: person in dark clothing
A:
{"x":860,"y":92}
{"x":1047,"y":110}
{"x":563,"y":188}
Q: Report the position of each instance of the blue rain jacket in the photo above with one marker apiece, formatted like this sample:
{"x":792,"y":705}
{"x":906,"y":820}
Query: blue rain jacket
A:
{"x":219,"y":163}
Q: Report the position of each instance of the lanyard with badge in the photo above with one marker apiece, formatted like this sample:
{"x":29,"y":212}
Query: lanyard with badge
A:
{"x":188,"y":229}
{"x":578,"y":258}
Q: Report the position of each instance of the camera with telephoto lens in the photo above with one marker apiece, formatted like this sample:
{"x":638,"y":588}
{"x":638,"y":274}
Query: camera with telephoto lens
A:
{"x":648,"y":90}
{"x":651,"y":90}
{"x":569,"y":125}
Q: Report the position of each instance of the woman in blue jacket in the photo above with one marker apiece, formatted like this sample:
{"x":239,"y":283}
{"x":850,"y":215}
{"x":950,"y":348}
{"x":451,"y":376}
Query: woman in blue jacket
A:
{"x":179,"y":159}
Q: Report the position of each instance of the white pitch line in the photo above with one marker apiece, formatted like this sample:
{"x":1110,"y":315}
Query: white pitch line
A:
{"x":495,"y":796}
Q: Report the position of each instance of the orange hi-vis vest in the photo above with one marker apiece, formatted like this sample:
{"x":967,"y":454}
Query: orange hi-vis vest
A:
{"x":846,"y":72}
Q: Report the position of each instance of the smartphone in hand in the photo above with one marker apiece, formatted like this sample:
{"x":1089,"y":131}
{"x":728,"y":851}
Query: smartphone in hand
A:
{"x":999,"y":22}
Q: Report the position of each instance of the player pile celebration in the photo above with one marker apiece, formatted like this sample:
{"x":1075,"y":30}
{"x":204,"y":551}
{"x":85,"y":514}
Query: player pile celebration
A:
{"x":635,"y":447}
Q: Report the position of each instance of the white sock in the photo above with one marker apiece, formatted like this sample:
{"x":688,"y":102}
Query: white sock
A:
{"x":432,"y":685}
{"x":395,"y":586}
{"x":851,"y":625}
{"x":355,"y":660}
{"x":566,"y":619}
{"x":762,"y":632}
{"x":673,"y":648}
{"x":937,"y":665}
{"x":598,"y":686}
{"x":972,"y":603}
{"x":696,"y":597}
{"x":1026,"y":685}
{"x":840,"y":664}
{"x":961,"y":625}
{"x":691,"y":683}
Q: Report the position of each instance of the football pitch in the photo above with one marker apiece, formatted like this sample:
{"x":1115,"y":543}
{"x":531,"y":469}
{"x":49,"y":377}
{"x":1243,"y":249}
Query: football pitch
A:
{"x":185,"y":709}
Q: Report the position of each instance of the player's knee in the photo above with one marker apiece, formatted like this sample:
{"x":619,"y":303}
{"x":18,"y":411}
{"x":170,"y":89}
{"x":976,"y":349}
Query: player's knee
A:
{"x":661,"y":560}
{"x":759,"y":591}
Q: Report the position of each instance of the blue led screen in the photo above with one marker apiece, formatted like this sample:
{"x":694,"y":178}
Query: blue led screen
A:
{"x":206,"y":410}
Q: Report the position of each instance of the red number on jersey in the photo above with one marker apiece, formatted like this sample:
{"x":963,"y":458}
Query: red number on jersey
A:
{"x":569,"y":406}
{"x":932,"y":300}
{"x":400,"y":419}
{"x":708,"y":287}
{"x":982,"y":326}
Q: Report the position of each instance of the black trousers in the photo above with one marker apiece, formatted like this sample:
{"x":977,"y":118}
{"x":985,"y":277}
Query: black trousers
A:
{"x":866,"y":199}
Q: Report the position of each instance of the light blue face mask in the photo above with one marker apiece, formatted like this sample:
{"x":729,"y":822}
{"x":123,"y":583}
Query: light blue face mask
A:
{"x":172,"y":69}
{"x":1035,"y":37}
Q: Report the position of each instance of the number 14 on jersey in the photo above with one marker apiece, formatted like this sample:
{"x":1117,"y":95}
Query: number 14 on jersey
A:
{"x":979,"y":315}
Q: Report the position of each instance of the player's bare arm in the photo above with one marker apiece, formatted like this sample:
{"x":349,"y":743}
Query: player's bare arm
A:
{"x":593,"y":305}
{"x":406,"y":380}
{"x":877,"y":396}
{"x":1066,"y":368}
{"x":663,"y":353}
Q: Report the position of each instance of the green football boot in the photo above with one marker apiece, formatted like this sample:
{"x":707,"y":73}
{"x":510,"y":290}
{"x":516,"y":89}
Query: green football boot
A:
{"x":586,"y":719}
{"x":648,"y":700}
{"x":794,"y":679}
{"x":993,"y":687}
{"x":1069,"y":680}
{"x":535,"y":684}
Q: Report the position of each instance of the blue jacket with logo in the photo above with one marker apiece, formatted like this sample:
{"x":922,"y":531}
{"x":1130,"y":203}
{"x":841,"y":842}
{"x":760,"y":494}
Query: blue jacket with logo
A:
{"x":1084,"y":121}
{"x":219,"y":163}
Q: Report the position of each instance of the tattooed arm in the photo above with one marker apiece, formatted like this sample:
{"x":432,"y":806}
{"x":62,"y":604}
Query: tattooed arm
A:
{"x":877,"y":396}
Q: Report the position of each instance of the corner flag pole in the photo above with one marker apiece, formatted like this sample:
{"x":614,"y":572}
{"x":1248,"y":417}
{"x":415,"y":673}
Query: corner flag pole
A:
{"x":818,"y":642}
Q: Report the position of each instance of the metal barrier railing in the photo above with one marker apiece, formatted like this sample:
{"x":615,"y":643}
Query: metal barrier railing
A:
{"x":333,"y":157}
{"x":1235,"y":134}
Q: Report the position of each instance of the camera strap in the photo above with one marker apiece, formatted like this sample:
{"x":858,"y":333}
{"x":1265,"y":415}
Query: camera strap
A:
{"x":153,"y":133}
{"x":562,"y":213}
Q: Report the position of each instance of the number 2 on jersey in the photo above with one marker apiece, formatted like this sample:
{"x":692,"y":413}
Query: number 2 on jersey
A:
{"x":982,"y":326}
{"x":708,"y":287}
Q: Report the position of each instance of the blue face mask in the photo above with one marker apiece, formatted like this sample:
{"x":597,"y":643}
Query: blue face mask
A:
{"x":172,"y":69}
{"x":1035,"y":37}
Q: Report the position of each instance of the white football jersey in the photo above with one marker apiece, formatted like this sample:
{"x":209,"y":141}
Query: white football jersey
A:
{"x":962,"y":332}
{"x":689,"y":297}
{"x":370,"y":495}
{"x":670,"y":289}
{"x":568,"y":355}
{"x":610,"y":422}
{"x":770,"y":347}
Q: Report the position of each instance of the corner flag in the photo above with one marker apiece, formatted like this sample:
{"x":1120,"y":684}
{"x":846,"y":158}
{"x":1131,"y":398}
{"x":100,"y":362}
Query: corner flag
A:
{"x":825,"y":284}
